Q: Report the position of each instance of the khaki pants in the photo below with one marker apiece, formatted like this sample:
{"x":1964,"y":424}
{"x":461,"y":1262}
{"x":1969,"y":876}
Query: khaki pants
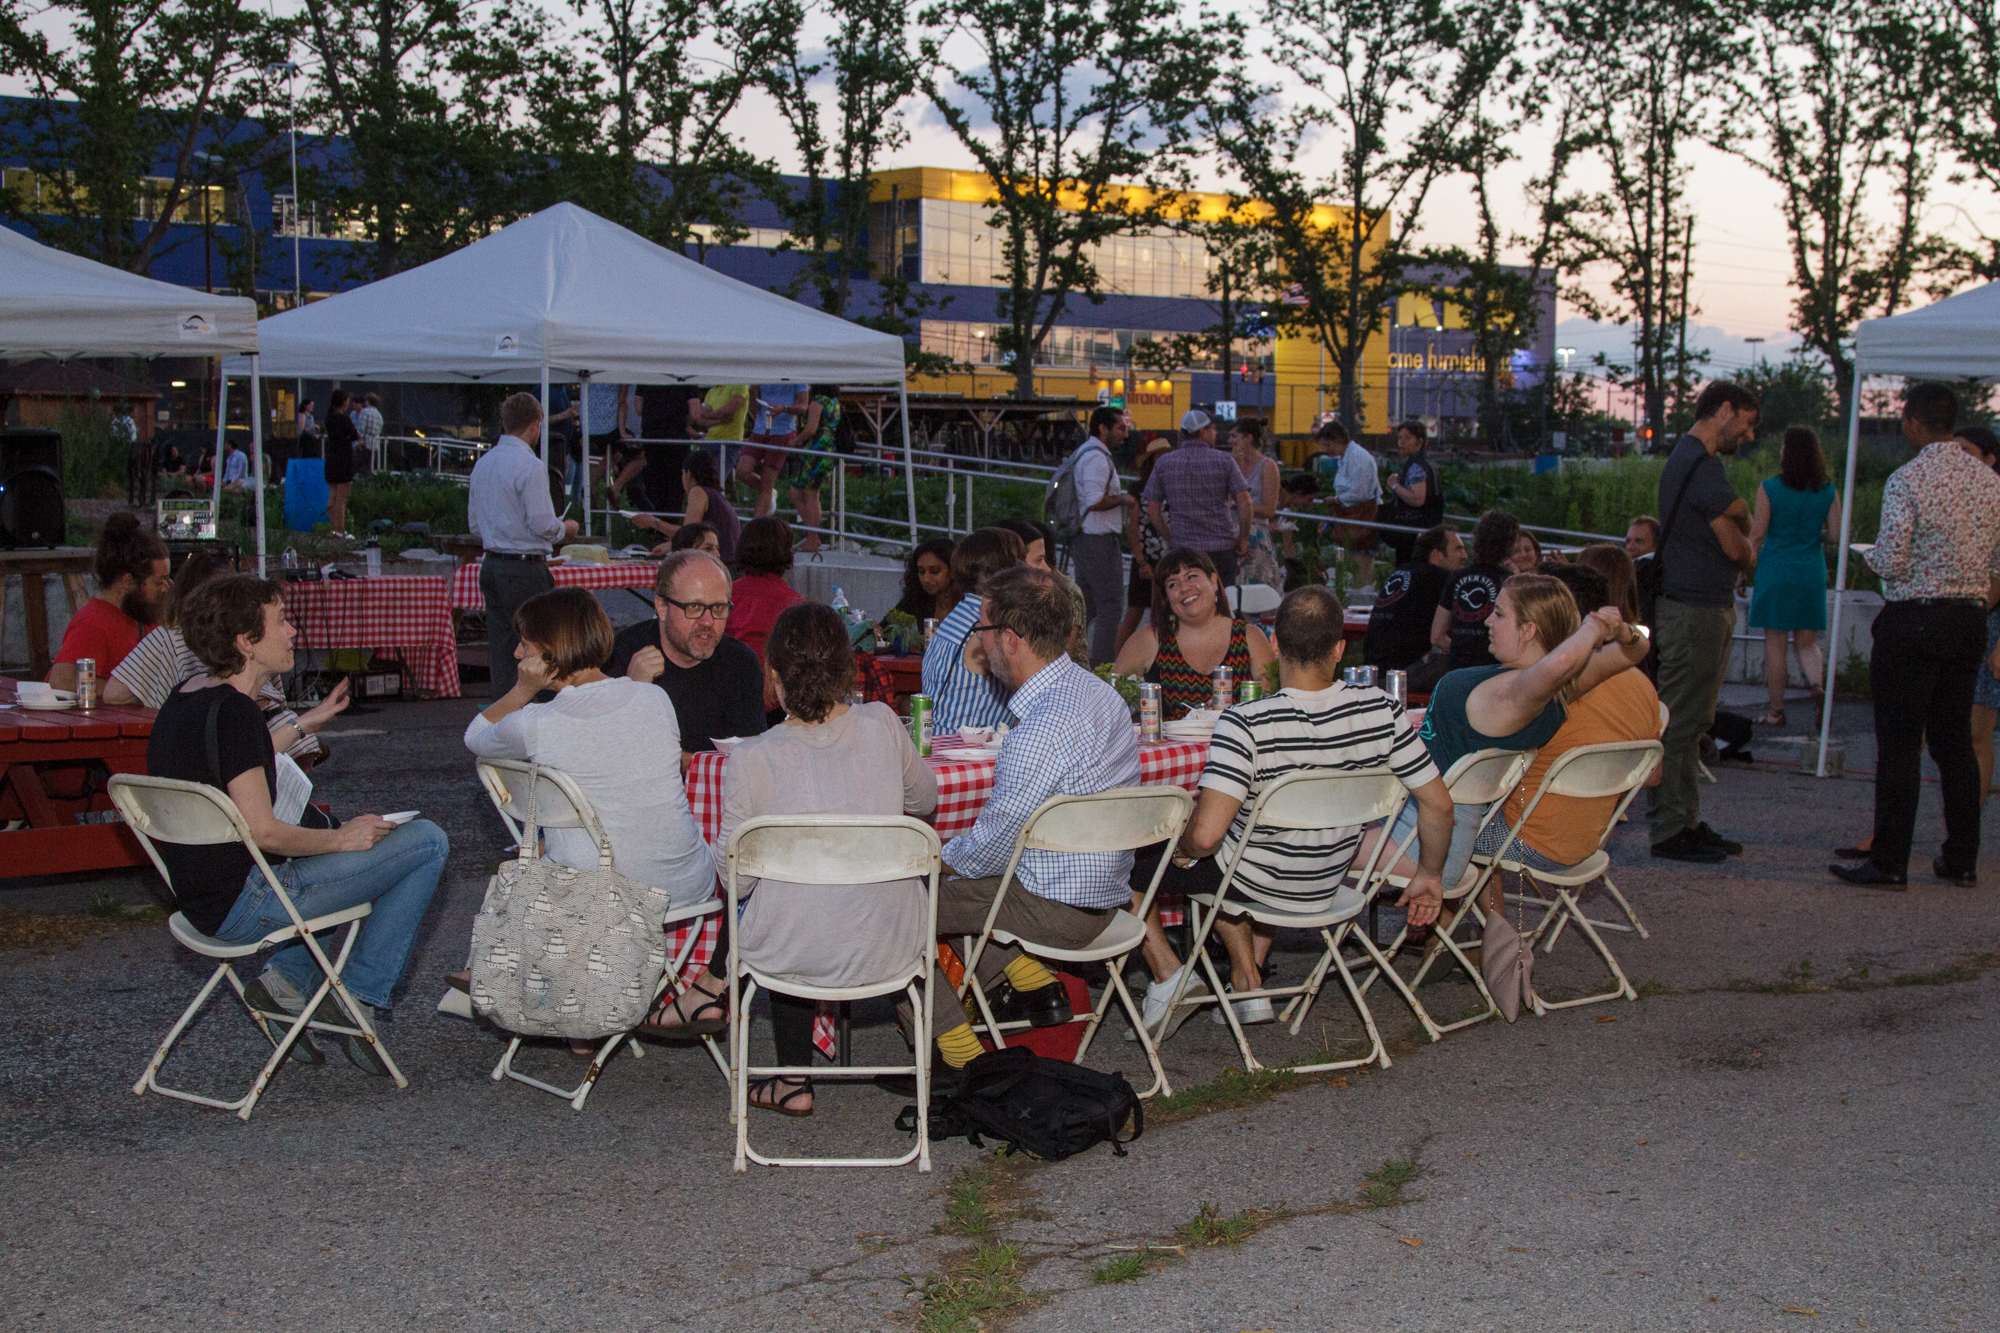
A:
{"x":962,"y":908}
{"x":1694,"y":650}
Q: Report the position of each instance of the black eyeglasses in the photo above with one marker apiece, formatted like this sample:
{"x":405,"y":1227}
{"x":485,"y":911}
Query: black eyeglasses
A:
{"x":976,"y":628}
{"x":701,"y":610}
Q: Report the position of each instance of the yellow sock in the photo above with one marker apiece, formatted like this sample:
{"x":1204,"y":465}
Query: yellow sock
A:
{"x":960,"y":1046}
{"x":1027,"y":973}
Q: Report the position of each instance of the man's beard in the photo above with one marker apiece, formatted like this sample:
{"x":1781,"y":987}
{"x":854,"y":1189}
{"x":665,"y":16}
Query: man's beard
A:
{"x":687,"y":647}
{"x":136,"y":605}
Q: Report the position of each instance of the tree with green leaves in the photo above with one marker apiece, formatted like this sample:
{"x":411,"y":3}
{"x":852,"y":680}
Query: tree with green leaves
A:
{"x":1638,"y":86}
{"x":1382,"y":88}
{"x":1239,"y":266}
{"x":117,"y":87}
{"x":1064,"y":104}
{"x":631,"y":113}
{"x":1967,"y":39}
{"x":420,"y":145}
{"x":1824,"y":109}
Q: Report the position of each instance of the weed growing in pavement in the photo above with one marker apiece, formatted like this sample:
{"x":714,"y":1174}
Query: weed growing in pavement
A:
{"x":968,"y":1213}
{"x":1232,"y":1088}
{"x":1210,"y":1227}
{"x":106,"y":905}
{"x":1649,"y":988}
{"x":1125,"y":1268}
{"x":1383,"y":1188}
{"x":985,"y":1282}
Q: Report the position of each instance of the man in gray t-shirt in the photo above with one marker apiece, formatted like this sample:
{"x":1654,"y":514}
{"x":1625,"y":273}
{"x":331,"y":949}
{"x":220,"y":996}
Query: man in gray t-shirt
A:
{"x":1705,"y":548}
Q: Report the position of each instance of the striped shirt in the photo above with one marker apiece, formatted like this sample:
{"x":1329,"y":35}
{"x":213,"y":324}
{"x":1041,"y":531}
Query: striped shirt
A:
{"x":960,"y":697}
{"x":1344,"y":729}
{"x":163,"y":660}
{"x":1075,"y":738}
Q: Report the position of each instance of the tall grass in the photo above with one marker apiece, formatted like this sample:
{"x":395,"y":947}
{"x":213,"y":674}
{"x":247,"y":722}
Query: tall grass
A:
{"x":93,"y":460}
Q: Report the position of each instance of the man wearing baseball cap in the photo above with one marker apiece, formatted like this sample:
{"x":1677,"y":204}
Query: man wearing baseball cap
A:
{"x":1198,"y":486}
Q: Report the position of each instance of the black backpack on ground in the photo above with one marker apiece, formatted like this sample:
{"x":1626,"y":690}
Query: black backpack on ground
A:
{"x":1050,"y":1109}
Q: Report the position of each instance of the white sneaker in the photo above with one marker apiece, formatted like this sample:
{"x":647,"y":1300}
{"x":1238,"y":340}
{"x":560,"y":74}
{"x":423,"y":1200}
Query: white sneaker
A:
{"x":1153,"y":1009}
{"x":1249,"y":1012}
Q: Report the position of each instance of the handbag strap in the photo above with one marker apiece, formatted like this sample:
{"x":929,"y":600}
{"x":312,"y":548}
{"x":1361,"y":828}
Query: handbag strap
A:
{"x":1667,"y":528}
{"x":591,"y":824}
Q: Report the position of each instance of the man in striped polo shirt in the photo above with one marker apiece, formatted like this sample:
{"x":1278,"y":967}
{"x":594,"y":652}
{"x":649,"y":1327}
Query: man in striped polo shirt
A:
{"x":1314,"y":721}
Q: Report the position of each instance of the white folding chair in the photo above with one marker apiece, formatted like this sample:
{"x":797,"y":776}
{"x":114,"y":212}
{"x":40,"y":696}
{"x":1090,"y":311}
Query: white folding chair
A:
{"x":196,"y":815}
{"x":1306,"y":800}
{"x":834,"y":849}
{"x":1588,"y":772}
{"x":1484,"y":777}
{"x":560,"y":803}
{"x":1118,"y":820}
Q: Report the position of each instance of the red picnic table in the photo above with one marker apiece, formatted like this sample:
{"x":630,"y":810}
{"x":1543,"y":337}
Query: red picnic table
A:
{"x":52,"y":769}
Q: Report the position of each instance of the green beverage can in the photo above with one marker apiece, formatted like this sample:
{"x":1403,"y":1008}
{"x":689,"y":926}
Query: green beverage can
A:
{"x":1249,"y":692}
{"x":920,"y":722}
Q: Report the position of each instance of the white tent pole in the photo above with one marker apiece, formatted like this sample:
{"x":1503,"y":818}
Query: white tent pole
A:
{"x":583,"y":446}
{"x":257,"y":454}
{"x":221,"y":440}
{"x":1829,"y":660}
{"x":909,"y":460}
{"x":543,"y":451}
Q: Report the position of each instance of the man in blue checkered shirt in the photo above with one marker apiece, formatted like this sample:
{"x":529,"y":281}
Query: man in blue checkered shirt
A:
{"x":1075,"y":738}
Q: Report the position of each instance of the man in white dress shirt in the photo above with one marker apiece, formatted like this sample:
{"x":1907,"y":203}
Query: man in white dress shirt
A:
{"x":509,"y":511}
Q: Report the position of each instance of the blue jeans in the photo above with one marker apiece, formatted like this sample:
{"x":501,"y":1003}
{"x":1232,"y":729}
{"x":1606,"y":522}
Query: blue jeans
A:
{"x":1464,"y":825}
{"x":399,"y":875}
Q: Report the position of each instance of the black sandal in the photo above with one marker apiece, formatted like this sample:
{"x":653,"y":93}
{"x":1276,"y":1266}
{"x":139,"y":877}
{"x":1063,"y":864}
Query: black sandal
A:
{"x":695,"y":1023}
{"x":798,"y":1087}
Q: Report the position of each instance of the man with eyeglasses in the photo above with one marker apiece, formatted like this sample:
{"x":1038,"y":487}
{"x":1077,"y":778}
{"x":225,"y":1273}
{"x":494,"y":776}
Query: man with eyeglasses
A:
{"x":714,"y":682}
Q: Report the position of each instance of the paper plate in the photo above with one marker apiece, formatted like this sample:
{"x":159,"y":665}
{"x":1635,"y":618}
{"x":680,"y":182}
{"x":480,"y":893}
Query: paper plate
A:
{"x":966,"y":752}
{"x":402,"y":816}
{"x":57,"y":705}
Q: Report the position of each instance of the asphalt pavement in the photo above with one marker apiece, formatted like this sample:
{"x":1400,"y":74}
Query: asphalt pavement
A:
{"x":1796,"y":1127}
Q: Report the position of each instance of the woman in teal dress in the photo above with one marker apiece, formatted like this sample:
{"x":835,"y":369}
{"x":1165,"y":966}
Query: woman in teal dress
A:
{"x":1793,"y":521}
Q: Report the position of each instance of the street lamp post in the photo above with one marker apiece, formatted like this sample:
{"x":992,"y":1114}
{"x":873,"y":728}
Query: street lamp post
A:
{"x":291,"y":72}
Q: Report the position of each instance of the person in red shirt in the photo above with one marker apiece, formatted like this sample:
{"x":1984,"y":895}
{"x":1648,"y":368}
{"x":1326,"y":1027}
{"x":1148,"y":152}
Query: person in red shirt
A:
{"x":764,"y":553}
{"x":132,"y":582}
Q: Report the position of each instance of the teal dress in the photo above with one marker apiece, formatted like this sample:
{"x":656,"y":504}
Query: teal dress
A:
{"x":1791,"y":570}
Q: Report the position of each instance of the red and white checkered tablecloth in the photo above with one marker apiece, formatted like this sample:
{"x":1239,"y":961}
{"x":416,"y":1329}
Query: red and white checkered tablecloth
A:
{"x":963,"y":784}
{"x":410,"y":615}
{"x":465,"y":594}
{"x":963,"y":787}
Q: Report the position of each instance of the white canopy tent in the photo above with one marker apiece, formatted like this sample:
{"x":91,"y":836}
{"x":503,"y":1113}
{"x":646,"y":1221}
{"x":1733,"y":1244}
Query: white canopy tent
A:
{"x":569,"y":294}
{"x":61,"y":305}
{"x":1956,"y":338}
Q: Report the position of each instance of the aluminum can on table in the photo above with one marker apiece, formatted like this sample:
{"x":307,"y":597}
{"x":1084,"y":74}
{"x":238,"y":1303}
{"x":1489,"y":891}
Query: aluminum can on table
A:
{"x":1222,"y":687}
{"x":1249,"y":692}
{"x":1149,"y":712}
{"x":86,"y":682}
{"x":1396,"y":684}
{"x":1368,"y":676}
{"x":920,"y":722}
{"x":930,"y":632}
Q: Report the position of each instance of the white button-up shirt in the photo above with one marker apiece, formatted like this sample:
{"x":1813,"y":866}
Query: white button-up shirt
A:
{"x":508,"y":508}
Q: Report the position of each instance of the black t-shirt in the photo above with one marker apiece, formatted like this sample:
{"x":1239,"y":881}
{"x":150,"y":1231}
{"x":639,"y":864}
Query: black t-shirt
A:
{"x":1399,"y":626}
{"x":1415,"y":468}
{"x":206,"y":880}
{"x":341,"y":438}
{"x":723,"y":696}
{"x":1693,"y":568}
{"x":1470,"y":596}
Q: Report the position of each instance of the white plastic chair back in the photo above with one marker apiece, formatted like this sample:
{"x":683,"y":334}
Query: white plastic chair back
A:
{"x":559,"y":802}
{"x":188,"y":813}
{"x":1107,"y":821}
{"x":1328,"y":800}
{"x":1253,"y":599}
{"x":506,"y":782}
{"x":832,"y":849}
{"x":1484,"y":776}
{"x":1610,"y":769}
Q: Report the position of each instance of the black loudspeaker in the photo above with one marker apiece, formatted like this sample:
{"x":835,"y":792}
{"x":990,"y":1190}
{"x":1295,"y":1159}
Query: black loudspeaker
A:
{"x":31,"y":491}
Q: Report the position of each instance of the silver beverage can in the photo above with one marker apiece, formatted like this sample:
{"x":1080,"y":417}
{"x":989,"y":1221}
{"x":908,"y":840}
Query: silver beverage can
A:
{"x":1397,"y":685}
{"x":86,"y":682}
{"x":930,"y":632}
{"x":1149,"y":712}
{"x":1367,"y":676}
{"x":1222,"y":688}
{"x":1350,"y":675}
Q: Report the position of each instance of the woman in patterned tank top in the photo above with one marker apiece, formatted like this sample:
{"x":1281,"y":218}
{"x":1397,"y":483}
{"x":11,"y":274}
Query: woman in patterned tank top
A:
{"x":1191,"y":634}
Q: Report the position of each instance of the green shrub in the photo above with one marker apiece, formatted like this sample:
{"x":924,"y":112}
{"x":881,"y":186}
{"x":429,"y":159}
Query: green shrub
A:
{"x":93,"y":460}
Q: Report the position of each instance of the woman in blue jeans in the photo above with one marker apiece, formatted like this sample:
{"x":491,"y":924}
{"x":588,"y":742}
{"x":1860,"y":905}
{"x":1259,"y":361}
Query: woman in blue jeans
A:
{"x":210,"y":731}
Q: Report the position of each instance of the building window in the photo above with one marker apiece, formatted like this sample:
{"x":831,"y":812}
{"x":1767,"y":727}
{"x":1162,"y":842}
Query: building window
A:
{"x":1070,"y":347}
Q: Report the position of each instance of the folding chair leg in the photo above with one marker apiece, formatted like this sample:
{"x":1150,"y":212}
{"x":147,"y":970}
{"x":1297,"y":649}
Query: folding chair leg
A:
{"x":1625,"y":907}
{"x":1250,"y":1065}
{"x":1296,"y":1008}
{"x":1566,"y":904}
{"x":1369,"y":947}
{"x":1377,"y":1052}
{"x":1133,"y":1016}
{"x":1449,"y":947}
